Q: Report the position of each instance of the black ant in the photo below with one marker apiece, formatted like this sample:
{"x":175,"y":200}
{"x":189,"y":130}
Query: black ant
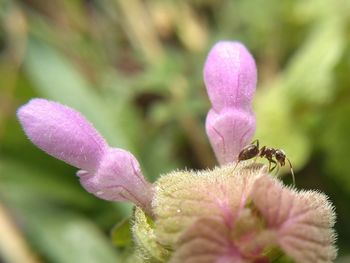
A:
{"x":274,"y":156}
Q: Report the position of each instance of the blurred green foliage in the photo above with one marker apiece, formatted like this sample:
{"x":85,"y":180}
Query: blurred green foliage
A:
{"x":134,"y":69}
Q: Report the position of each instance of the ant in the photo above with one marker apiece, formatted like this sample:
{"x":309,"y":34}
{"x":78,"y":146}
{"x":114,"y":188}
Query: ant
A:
{"x":274,"y":156}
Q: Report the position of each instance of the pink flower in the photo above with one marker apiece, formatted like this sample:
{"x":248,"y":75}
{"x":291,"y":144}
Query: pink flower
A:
{"x":230,"y":77}
{"x":234,"y":213}
{"x":109,"y":173}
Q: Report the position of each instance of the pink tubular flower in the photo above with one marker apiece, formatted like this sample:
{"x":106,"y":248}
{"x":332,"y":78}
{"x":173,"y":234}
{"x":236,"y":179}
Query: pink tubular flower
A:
{"x":109,"y":173}
{"x":62,"y":133}
{"x":230,"y":77}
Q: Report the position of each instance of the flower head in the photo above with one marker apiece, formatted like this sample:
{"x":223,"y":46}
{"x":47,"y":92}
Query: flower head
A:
{"x":241,"y":214}
{"x":235,"y":213}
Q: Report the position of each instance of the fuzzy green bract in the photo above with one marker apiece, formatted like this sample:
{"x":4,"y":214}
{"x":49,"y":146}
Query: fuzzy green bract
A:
{"x":234,"y":214}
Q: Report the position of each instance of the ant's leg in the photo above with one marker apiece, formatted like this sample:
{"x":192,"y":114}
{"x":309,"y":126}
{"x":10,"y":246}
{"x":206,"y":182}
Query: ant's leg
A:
{"x":275,"y":165}
{"x":277,"y":170}
{"x":291,"y":171}
{"x":262,"y":153}
{"x":257,"y":143}
{"x":234,"y":168}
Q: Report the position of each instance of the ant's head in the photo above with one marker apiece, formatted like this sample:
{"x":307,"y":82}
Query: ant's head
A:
{"x":248,"y":152}
{"x":280,"y":157}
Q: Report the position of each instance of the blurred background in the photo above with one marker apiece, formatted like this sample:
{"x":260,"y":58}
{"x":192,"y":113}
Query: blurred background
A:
{"x":134,"y":69}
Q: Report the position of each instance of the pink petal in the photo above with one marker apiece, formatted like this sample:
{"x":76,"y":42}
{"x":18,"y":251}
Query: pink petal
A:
{"x":62,"y":132}
{"x":229,"y":132}
{"x":230,"y":76}
{"x":302,"y":221}
{"x":118,"y":178}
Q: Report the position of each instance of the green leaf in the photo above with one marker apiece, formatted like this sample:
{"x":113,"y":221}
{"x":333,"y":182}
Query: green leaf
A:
{"x":121,"y":233}
{"x":56,"y":78}
{"x":277,"y":126}
{"x":63,"y":237}
{"x":336,"y":144}
{"x":309,"y":76}
{"x":27,"y":184}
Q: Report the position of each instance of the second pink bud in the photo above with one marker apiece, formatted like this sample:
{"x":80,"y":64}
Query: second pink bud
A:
{"x":230,"y":77}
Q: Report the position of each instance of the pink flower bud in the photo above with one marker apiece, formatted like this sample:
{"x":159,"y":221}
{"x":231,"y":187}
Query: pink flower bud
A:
{"x":63,"y":133}
{"x":118,"y":178}
{"x":229,"y":132}
{"x":109,"y":173}
{"x":230,"y":76}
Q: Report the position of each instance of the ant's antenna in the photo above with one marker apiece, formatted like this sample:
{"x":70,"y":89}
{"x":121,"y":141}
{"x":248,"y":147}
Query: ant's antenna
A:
{"x":291,"y":170}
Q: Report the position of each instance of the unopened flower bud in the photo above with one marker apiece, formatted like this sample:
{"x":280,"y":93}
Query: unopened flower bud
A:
{"x":109,"y":173}
{"x":63,"y":133}
{"x":230,"y":78}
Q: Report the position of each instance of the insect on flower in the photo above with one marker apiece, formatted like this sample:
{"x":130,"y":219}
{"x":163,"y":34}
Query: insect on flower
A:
{"x":277,"y":157}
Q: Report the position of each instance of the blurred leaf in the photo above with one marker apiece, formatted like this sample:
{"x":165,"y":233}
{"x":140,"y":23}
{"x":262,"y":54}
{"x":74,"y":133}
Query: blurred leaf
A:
{"x":276,"y":126}
{"x":57,"y":79}
{"x":336,"y":144}
{"x":320,"y":9}
{"x":343,"y":259}
{"x":162,"y":148}
{"x":37,"y":199}
{"x":64,"y":237}
{"x":309,"y":76}
{"x":28,"y":184}
{"x":158,"y":77}
{"x":121,"y":233}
